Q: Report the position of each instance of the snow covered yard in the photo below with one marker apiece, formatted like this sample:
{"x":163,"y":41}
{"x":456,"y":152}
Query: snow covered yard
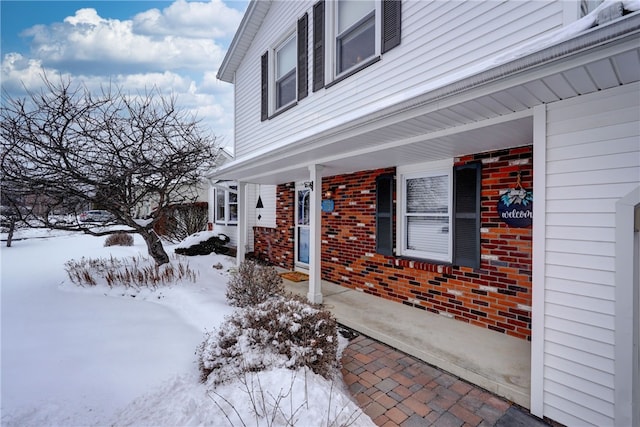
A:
{"x":82,"y":356}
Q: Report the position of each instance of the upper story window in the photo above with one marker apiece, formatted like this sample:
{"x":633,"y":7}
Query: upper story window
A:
{"x":349,"y":35}
{"x":356,"y":33}
{"x":587,"y":6}
{"x":285,"y":84}
{"x":284,"y":72}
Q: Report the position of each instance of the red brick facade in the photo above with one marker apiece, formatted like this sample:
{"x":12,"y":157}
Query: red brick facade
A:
{"x":495,"y":296}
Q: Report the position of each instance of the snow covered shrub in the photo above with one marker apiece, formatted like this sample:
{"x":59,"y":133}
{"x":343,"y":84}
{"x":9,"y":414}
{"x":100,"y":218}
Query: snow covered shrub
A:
{"x":119,"y":239}
{"x":280,"y":332}
{"x":193,"y":246}
{"x":253,"y":284}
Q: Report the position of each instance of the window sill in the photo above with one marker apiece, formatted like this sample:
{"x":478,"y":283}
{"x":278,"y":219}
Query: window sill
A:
{"x":431,"y":266}
{"x":282,"y":110}
{"x":353,"y":71}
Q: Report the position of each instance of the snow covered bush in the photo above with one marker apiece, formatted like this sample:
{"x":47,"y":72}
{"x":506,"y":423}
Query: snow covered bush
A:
{"x":280,"y":332}
{"x":203,"y":243}
{"x":253,"y":284}
{"x":119,"y":239}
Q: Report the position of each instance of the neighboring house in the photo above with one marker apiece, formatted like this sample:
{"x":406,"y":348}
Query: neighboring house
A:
{"x":191,"y":194}
{"x":398,"y":147}
{"x":200,"y":192}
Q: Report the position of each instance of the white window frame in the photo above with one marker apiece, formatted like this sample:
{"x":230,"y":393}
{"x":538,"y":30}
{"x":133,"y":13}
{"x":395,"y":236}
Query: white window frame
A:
{"x":331,"y":49}
{"x":227,"y":206}
{"x":273,"y":101}
{"x":438,"y":168}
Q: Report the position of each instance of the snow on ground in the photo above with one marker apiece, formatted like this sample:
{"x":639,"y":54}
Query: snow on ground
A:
{"x":87,"y":356}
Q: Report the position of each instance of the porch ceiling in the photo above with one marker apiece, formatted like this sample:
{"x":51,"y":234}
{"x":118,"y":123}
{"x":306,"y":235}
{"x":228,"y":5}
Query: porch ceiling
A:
{"x":439,"y":124}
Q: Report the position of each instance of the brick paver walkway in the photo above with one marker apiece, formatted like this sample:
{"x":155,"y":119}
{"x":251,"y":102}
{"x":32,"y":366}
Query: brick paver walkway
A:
{"x":395,"y":389}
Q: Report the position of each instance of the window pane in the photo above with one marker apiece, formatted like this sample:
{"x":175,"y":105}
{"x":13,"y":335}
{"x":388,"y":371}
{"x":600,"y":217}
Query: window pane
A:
{"x":303,"y":207}
{"x":428,"y":234}
{"x":350,"y":12}
{"x":303,"y":245}
{"x":286,"y":90}
{"x":356,"y":45}
{"x":428,"y":194}
{"x":286,"y":58}
{"x":233,"y":212}
{"x":219,"y":205}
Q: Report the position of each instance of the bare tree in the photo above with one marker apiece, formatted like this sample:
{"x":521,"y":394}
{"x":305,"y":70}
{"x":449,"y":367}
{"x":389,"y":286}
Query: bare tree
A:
{"x":66,"y":149}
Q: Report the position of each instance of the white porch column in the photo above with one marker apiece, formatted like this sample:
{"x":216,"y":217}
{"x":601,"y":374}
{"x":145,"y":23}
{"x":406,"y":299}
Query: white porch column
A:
{"x":539,"y":260}
{"x":242,"y":222}
{"x":315,"y":218}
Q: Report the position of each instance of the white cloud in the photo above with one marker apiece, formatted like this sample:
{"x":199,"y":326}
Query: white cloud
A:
{"x":212,"y":19}
{"x":20,"y":73}
{"x":88,"y":41}
{"x":177,"y":50}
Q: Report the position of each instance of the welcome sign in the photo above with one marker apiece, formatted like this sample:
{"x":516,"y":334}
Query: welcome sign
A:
{"x":515,"y":207}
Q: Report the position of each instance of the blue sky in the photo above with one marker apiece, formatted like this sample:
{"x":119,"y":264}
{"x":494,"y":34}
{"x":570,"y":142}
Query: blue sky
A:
{"x":174,"y":45}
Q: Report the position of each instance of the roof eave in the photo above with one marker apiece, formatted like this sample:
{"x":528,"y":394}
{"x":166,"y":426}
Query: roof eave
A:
{"x":255,"y":13}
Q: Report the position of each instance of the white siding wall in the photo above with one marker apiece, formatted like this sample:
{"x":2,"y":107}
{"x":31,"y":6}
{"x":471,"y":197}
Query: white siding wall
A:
{"x":267,"y":213}
{"x":593,"y":159}
{"x":438,"y":38}
{"x":229,"y":230}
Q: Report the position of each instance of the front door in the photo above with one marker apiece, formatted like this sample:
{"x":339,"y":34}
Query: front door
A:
{"x":302,"y":226}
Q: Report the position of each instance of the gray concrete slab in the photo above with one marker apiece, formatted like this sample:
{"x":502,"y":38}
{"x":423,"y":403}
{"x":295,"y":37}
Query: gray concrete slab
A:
{"x":496,"y":362}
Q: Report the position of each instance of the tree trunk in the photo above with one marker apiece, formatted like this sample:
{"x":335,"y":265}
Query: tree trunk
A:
{"x":154,"y":245}
{"x":12,"y":227}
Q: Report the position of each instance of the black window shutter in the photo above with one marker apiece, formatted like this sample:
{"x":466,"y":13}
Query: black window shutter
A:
{"x":466,"y":210}
{"x":303,"y":85}
{"x":318,"y":46}
{"x":391,"y":24}
{"x":384,"y":214}
{"x":264,"y":102}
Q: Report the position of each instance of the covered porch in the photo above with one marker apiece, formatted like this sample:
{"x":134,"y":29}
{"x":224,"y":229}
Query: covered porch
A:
{"x":497,"y":109}
{"x":497,"y":362}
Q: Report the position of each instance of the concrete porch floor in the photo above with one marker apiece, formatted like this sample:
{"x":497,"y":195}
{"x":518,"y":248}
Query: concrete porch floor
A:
{"x":496,"y":362}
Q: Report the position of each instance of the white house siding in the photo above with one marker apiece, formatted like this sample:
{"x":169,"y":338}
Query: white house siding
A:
{"x":229,"y":230}
{"x":267,"y":214}
{"x":438,"y":38}
{"x":593,"y":159}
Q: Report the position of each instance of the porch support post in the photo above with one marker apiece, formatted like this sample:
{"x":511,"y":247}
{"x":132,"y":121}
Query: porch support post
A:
{"x":539,"y":260}
{"x":626,"y":367}
{"x":242,"y":222}
{"x":315,"y":218}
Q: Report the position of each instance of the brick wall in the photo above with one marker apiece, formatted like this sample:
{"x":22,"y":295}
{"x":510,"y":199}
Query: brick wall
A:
{"x":276,"y":244}
{"x":495,"y":296}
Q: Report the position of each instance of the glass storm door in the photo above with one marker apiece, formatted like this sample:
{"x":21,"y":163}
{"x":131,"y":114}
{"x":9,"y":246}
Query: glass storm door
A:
{"x":302,"y":226}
